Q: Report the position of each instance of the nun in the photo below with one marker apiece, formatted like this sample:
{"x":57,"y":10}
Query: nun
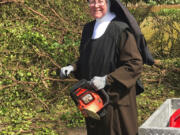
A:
{"x":110,"y":58}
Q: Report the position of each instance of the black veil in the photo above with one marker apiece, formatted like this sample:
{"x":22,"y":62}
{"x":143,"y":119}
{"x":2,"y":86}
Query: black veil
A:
{"x":123,"y":13}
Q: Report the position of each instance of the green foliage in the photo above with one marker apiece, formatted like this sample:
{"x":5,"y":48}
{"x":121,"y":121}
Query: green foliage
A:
{"x":140,"y":13}
{"x":32,"y":50}
{"x":169,"y":12}
{"x":74,"y":119}
{"x":165,"y":40}
{"x":154,"y":2}
{"x":161,"y":83}
{"x":36,"y":39}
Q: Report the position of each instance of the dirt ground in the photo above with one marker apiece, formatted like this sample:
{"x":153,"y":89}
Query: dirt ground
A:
{"x":75,"y":131}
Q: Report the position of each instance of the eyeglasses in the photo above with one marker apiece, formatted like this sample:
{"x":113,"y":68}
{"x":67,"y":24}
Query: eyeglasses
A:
{"x":94,"y":3}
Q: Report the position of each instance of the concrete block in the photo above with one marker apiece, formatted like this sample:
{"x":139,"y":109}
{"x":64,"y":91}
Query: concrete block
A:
{"x":157,"y":123}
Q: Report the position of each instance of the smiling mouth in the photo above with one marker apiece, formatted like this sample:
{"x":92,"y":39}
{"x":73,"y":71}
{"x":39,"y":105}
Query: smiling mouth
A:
{"x":97,"y":10}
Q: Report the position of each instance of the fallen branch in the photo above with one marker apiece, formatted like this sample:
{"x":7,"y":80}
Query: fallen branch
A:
{"x":57,"y":94}
{"x":3,"y":2}
{"x":25,"y":82}
{"x":7,"y":86}
{"x":151,"y":80}
{"x":21,"y":131}
{"x":16,"y":82}
{"x":36,"y":12}
{"x":11,"y":1}
{"x":57,"y":15}
{"x":29,"y":90}
{"x":43,"y":54}
{"x":57,"y":65}
{"x":61,"y":80}
{"x":172,"y":87}
{"x":159,"y":64}
{"x":60,"y":18}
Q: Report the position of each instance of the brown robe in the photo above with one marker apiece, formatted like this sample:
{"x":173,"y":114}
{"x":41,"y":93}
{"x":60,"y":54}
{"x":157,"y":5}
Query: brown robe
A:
{"x":121,"y":112}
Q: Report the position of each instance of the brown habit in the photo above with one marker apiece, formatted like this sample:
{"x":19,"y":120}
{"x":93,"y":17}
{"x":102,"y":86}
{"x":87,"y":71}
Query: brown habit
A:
{"x":116,"y":55}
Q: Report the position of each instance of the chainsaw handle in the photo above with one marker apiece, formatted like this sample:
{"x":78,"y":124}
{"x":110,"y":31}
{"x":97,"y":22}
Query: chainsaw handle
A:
{"x":106,"y":96}
{"x":79,"y":84}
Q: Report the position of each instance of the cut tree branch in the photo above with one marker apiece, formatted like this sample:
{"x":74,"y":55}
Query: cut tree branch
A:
{"x":61,"y":80}
{"x":10,"y":1}
{"x":36,"y":12}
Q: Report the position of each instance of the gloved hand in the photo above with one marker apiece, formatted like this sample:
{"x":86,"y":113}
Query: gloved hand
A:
{"x":65,"y":71}
{"x":98,"y":82}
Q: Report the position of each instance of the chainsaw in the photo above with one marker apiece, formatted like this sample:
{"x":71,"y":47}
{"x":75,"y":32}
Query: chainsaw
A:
{"x":90,"y":102}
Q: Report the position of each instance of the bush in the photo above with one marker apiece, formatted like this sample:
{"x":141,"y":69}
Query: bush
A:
{"x":165,"y":39}
{"x":37,"y":38}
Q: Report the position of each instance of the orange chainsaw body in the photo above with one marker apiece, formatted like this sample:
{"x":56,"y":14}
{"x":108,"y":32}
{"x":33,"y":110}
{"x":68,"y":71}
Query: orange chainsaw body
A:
{"x":89,"y":100}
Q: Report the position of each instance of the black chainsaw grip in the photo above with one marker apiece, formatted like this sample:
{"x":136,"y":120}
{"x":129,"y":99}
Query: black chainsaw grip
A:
{"x":106,"y":97}
{"x":79,"y":84}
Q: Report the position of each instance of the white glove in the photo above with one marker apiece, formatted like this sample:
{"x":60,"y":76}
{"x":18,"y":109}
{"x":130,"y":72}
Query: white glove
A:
{"x":65,"y":71}
{"x":98,"y":82}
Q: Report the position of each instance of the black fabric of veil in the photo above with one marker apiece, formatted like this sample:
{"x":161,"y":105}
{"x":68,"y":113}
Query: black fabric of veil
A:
{"x":123,"y":13}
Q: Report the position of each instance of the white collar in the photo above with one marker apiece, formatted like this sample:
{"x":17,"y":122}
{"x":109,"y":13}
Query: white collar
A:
{"x":107,"y":18}
{"x":102,"y":24}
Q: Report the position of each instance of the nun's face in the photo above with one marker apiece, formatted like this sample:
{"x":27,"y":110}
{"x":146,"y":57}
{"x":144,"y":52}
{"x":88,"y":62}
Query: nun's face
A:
{"x":98,"y":8}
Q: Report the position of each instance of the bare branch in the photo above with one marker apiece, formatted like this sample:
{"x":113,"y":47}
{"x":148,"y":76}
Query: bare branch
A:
{"x":36,"y":12}
{"x":9,"y":1}
{"x":29,"y":90}
{"x":7,"y":86}
{"x":61,"y":80}
{"x":43,"y":54}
